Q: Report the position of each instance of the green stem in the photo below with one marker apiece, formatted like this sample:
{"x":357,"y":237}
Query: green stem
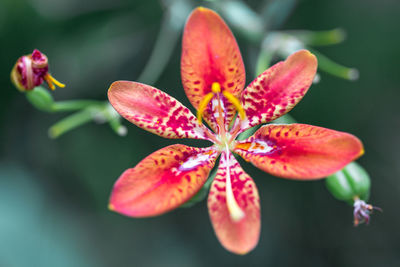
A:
{"x":71,"y":122}
{"x":114,"y":120}
{"x":263,"y":61}
{"x":74,"y":105}
{"x":243,"y":19}
{"x":166,"y":41}
{"x":320,"y":38}
{"x":334,"y":68}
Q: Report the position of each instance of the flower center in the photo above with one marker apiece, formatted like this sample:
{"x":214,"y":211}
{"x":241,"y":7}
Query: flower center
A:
{"x":219,"y":112}
{"x":225,"y":138}
{"x":216,"y":92}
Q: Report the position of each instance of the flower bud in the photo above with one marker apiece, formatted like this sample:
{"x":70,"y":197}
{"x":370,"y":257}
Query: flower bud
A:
{"x":32,"y":70}
{"x":352,"y":184}
{"x":349,"y":182}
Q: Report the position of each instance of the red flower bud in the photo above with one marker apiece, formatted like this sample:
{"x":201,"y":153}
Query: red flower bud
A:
{"x":31,"y":70}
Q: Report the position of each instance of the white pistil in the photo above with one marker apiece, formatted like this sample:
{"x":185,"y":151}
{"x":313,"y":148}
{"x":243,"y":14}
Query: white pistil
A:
{"x":235,"y":211}
{"x":215,"y":103}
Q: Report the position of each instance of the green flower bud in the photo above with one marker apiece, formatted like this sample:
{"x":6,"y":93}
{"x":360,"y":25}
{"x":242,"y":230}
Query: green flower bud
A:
{"x":350,"y":182}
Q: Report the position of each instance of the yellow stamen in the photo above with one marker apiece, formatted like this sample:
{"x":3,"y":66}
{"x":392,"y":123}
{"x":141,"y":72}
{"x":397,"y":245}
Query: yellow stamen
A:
{"x":51,"y":81}
{"x":215,"y":87}
{"x":203,"y":104}
{"x":231,"y":98}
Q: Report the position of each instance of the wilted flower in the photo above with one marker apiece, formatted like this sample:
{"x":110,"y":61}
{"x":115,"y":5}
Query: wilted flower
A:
{"x":31,"y":70}
{"x":362,"y":211}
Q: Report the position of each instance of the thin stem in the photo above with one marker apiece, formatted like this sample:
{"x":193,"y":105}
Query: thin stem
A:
{"x":319,"y":38}
{"x":334,"y":68}
{"x":74,"y":105}
{"x":166,"y":41}
{"x":115,"y":124}
{"x":71,"y":122}
{"x":263,"y":60}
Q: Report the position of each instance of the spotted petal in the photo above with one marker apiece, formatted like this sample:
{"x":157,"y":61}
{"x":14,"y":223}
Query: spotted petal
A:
{"x":237,"y":223}
{"x":277,"y":90}
{"x":299,"y":151}
{"x":210,"y":54}
{"x":162,"y":181}
{"x":154,"y":111}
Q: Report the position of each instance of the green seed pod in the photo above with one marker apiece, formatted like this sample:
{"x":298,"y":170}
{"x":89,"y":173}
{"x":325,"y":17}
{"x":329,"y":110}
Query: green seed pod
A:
{"x":349,"y":183}
{"x":41,"y":99}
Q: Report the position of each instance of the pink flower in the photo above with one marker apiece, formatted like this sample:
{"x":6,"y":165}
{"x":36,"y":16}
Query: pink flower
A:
{"x":213,"y":77}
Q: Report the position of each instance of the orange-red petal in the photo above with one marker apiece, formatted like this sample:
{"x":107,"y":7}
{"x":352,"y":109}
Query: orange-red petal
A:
{"x":239,"y":236}
{"x":210,"y":54}
{"x":162,"y":181}
{"x":277,"y":90}
{"x":154,"y":111}
{"x":299,"y":151}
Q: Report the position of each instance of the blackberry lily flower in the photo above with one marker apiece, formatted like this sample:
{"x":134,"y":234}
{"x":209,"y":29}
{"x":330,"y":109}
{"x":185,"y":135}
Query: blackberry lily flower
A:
{"x":213,"y":77}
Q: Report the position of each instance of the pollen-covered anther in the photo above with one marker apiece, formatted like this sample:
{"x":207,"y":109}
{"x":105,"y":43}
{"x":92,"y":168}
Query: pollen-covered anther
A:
{"x":216,"y":89}
{"x":203,"y":104}
{"x":51,"y":81}
{"x":236,"y":103}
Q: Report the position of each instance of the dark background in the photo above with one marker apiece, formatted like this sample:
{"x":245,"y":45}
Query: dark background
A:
{"x":54,"y":193}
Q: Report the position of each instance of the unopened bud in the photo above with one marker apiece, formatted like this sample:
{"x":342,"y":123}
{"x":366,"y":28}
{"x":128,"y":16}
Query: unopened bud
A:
{"x":352,"y":184}
{"x":349,"y":182}
{"x":32,"y":70}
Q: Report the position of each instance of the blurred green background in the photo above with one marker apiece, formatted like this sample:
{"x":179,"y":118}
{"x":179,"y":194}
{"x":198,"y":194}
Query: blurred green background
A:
{"x":54,"y":193}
